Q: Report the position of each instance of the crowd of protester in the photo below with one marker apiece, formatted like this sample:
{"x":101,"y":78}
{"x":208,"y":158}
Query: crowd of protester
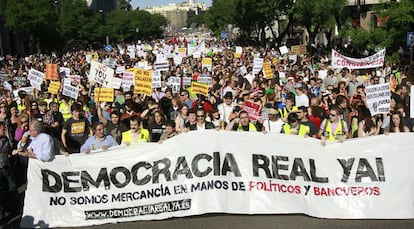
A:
{"x":303,"y":97}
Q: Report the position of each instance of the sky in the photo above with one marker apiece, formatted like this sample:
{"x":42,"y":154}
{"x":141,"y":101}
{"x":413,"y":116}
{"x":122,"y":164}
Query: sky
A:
{"x":142,"y":4}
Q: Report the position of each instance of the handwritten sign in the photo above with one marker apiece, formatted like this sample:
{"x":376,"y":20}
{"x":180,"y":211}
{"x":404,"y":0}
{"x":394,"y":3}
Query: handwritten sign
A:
{"x":36,"y":78}
{"x":199,"y":88}
{"x":104,"y":94}
{"x":143,"y":82}
{"x":54,"y":87}
{"x":101,"y":74}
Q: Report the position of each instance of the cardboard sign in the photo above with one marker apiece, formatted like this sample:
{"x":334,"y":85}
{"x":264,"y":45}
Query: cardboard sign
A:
{"x":101,"y":74}
{"x":199,"y":88}
{"x":298,"y":50}
{"x":54,"y":87}
{"x":51,"y":72}
{"x":207,"y":63}
{"x":36,"y":78}
{"x":104,"y":94}
{"x":267,"y":70}
{"x":253,"y":109}
{"x":70,"y":91}
{"x":143,"y":82}
{"x":378,"y":98}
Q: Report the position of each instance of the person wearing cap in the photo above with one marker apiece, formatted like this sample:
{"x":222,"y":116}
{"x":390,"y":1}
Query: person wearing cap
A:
{"x":294,"y":127}
{"x":75,"y":130}
{"x":273,"y":123}
{"x":44,"y":116}
{"x":226,"y":108}
{"x":301,"y":98}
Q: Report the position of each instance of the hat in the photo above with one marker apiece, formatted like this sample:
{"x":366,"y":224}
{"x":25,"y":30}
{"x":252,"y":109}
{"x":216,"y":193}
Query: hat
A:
{"x":297,"y":85}
{"x":228,"y":95}
{"x":42,"y":103}
{"x":272,"y":111}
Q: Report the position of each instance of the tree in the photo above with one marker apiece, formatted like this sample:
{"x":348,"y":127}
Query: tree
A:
{"x":78,"y":23}
{"x":123,"y":5}
{"x":220,"y":15}
{"x":36,"y":18}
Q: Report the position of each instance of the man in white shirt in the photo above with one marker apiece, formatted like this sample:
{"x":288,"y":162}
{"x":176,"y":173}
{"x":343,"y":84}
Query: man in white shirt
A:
{"x":273,"y":123}
{"x":41,"y":146}
{"x":226,"y":108}
{"x":301,"y":99}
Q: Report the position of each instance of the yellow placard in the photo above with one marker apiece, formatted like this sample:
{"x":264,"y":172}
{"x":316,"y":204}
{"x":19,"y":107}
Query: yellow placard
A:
{"x":275,"y":61}
{"x":267,"y":69}
{"x":104,"y":94}
{"x":54,"y":87}
{"x":199,"y":88}
{"x":143,"y":82}
{"x":182,"y":52}
{"x":207,"y":61}
{"x":237,"y":55}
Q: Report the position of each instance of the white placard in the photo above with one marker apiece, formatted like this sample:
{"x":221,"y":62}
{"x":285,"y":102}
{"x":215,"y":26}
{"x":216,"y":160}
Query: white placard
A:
{"x":174,"y":83}
{"x":156,"y":79}
{"x":127,"y":80}
{"x":101,"y":74}
{"x":120,"y":70}
{"x":378,"y":98}
{"x":116,"y":83}
{"x":284,"y":50}
{"x":70,"y":91}
{"x":364,"y":178}
{"x":186,"y":81}
{"x":257,"y":65}
{"x":239,"y":49}
{"x":65,"y":70}
{"x":207,"y":80}
{"x":36,"y":78}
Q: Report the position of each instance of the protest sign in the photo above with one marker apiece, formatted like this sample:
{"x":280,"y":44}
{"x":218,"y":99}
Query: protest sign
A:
{"x":143,"y":82}
{"x":267,"y":70}
{"x":70,"y":91}
{"x":186,"y":81}
{"x":239,"y":51}
{"x":128,"y":79}
{"x":101,"y":74}
{"x":65,"y":70}
{"x":156,"y":79}
{"x":36,"y":78}
{"x":104,"y":94}
{"x":207,"y":63}
{"x":199,"y":88}
{"x":3,"y":77}
{"x":7,"y":86}
{"x":120,"y":70}
{"x":378,"y":98}
{"x":205,"y":80}
{"x":341,"y":61}
{"x":54,"y":87}
{"x":298,"y":50}
{"x":116,"y":83}
{"x":195,"y":49}
{"x":284,"y":50}
{"x":174,"y":83}
{"x":257,"y":65}
{"x":360,"y":179}
{"x":182,"y":52}
{"x":28,"y":90}
{"x":51,"y":72}
{"x":253,"y":109}
{"x":75,"y":79}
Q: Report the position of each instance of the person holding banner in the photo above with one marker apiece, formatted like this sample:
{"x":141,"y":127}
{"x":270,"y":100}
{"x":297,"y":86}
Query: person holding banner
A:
{"x":242,"y":123}
{"x":99,"y":140}
{"x":41,"y":145}
{"x":201,"y":124}
{"x":75,"y":130}
{"x":136,"y":134}
{"x":293,"y":126}
{"x":333,"y":128}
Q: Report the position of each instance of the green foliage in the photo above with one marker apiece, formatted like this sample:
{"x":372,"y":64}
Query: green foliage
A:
{"x":220,"y":14}
{"x":196,"y":20}
{"x":77,"y":22}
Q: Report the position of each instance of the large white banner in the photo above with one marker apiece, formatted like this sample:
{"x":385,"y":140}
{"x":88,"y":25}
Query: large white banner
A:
{"x":378,"y":98}
{"x":225,"y":172}
{"x":341,"y":61}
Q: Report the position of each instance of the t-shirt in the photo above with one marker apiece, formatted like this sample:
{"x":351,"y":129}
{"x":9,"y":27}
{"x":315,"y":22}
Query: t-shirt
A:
{"x":76,"y":134}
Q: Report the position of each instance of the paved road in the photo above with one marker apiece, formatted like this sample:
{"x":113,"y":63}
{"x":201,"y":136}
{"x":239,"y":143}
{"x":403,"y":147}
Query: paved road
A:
{"x":223,"y":221}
